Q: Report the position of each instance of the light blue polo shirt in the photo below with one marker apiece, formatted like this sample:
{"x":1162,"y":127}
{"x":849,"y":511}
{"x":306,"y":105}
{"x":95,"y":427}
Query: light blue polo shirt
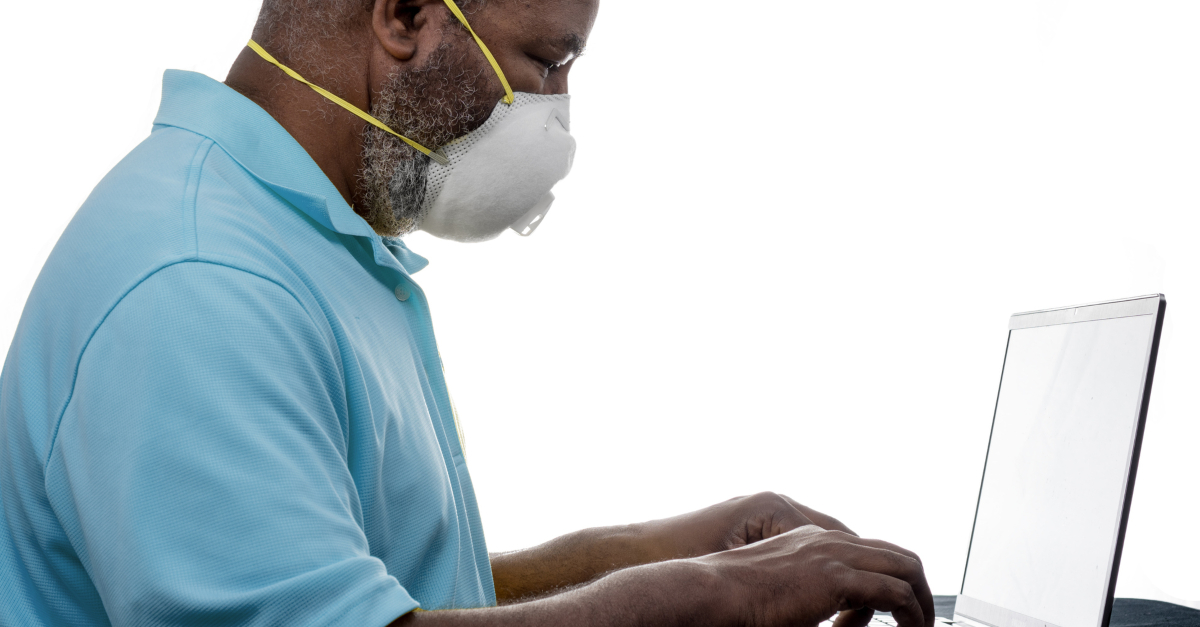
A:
{"x":224,"y":403}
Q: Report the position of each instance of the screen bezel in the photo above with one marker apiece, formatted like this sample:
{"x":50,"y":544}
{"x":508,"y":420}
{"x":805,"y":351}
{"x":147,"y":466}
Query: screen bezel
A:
{"x":1156,"y":305}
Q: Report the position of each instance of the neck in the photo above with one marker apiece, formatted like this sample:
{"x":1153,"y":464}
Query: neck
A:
{"x":331,"y":135}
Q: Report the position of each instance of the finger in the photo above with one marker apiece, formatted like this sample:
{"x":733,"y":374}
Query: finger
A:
{"x":864,"y":589}
{"x":909,"y":568}
{"x":854,"y":618}
{"x":883,"y":544}
{"x":823,"y":521}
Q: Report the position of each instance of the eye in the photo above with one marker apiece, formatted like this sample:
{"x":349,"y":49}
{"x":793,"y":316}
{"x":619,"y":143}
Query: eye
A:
{"x":547,"y":65}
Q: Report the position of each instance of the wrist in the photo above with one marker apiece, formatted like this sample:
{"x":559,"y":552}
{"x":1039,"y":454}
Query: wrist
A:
{"x":655,"y":542}
{"x":705,"y":598}
{"x":675,"y":593}
{"x":640,"y":544}
{"x":678,"y":537}
{"x":574,"y":559}
{"x":631,"y":545}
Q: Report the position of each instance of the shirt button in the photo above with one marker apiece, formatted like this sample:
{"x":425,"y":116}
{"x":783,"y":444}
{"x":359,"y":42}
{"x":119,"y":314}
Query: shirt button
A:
{"x":401,"y":293}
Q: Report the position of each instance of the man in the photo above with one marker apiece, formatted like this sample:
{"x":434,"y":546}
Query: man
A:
{"x":224,"y":403}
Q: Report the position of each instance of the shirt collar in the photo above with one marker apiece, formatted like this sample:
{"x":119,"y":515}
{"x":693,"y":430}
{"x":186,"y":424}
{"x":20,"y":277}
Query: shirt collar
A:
{"x":199,"y":104}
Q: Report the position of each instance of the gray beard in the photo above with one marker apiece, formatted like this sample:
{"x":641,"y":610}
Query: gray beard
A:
{"x":431,"y":105}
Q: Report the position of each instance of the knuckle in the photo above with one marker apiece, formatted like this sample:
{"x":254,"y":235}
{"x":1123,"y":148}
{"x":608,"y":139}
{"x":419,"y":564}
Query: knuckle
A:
{"x":833,"y":569}
{"x":906,"y":564}
{"x":906,"y":552}
{"x":902,"y":594}
{"x":767,"y":498}
{"x":910,"y":565}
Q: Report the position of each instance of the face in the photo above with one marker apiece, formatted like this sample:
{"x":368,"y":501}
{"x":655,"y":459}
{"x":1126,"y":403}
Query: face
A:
{"x":453,"y":89}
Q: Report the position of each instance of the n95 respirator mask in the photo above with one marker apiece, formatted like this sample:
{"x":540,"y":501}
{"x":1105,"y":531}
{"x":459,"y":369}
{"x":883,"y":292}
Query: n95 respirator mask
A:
{"x":500,"y":175}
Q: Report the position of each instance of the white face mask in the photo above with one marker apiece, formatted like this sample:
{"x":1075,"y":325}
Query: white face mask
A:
{"x":500,"y":174}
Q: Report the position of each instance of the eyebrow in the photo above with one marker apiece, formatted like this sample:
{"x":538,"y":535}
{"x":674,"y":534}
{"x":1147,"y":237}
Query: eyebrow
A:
{"x":575,"y":44}
{"x":572,"y":43}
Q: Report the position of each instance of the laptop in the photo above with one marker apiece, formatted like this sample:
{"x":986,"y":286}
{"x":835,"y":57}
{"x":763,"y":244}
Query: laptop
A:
{"x":1058,"y":476}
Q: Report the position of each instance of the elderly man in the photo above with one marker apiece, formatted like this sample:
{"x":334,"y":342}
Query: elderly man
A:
{"x":224,"y":403}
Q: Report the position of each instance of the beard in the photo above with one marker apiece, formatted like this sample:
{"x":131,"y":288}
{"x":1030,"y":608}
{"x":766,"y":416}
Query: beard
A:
{"x":445,"y":98}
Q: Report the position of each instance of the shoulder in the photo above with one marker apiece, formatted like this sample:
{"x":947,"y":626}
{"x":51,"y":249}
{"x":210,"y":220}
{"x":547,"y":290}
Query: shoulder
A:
{"x":177,"y":197}
{"x":176,"y":221}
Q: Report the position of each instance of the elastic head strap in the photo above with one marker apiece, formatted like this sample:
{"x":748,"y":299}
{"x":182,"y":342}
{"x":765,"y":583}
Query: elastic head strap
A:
{"x":508,"y":92}
{"x":436,"y":156}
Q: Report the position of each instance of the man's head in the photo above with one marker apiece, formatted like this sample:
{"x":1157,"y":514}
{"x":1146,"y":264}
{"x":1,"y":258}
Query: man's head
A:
{"x":422,"y":74}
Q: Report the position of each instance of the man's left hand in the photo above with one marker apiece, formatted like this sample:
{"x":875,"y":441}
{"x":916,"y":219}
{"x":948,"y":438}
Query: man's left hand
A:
{"x":737,"y":522}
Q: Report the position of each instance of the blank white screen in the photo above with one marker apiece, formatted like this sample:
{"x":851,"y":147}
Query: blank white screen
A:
{"x":1052,"y":492}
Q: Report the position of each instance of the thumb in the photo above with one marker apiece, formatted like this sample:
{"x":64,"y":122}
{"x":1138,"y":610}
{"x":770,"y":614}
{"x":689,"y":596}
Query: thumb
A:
{"x":787,"y":519}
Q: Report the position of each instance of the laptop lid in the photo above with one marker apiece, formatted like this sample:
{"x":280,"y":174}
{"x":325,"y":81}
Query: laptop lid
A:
{"x":1058,"y":477}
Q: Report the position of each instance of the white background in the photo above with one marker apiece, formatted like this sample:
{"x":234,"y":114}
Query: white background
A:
{"x":785,"y":258}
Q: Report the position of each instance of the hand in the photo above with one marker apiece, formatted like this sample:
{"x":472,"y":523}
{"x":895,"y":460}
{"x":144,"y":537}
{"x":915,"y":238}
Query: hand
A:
{"x":806,"y":575}
{"x":734,"y":523}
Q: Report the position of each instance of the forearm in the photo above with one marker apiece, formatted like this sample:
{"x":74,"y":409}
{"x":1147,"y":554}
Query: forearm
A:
{"x":675,"y":593}
{"x":573,"y":559}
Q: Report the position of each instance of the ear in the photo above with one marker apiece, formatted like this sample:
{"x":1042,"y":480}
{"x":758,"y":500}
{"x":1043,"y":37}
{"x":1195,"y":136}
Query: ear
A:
{"x":405,"y":26}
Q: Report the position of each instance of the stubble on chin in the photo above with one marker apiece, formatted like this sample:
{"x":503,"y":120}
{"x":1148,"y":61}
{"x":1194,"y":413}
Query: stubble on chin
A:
{"x":433,"y":104}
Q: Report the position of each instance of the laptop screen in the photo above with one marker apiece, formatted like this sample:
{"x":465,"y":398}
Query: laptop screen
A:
{"x":1054,"y":484}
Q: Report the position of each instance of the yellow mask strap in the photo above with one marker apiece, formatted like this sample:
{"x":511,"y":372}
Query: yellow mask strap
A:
{"x":436,"y":156}
{"x":508,"y":92}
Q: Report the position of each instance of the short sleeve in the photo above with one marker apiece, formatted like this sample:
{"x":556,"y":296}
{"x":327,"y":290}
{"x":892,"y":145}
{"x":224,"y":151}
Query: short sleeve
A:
{"x":201,"y":468}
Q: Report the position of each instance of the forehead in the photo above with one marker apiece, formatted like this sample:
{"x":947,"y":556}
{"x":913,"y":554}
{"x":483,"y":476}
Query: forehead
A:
{"x":562,"y":24}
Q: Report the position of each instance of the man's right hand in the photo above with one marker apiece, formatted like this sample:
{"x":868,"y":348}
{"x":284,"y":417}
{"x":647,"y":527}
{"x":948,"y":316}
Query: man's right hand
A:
{"x":806,"y":575}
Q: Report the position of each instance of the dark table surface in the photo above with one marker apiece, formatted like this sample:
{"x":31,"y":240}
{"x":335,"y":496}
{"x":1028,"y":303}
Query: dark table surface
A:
{"x":1126,"y":613}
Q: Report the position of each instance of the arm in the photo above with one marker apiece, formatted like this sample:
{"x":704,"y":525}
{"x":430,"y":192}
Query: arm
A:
{"x":584,"y":556}
{"x":670,"y":593}
{"x":796,"y":578}
{"x":201,"y":459}
{"x":571,"y":560}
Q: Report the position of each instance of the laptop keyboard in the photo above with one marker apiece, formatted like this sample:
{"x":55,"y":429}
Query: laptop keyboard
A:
{"x":886,"y":620}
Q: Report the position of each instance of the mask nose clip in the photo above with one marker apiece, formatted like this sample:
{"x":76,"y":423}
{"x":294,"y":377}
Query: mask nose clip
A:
{"x":555,"y":114}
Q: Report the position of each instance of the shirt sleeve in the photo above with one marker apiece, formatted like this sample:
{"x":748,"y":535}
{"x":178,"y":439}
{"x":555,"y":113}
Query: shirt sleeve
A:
{"x":201,"y":469}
